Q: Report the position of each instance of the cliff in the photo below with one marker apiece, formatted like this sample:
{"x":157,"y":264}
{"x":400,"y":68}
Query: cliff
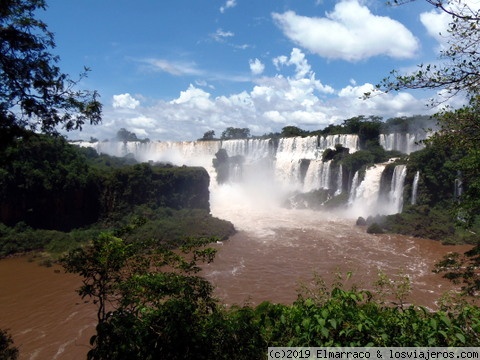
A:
{"x":47,"y":183}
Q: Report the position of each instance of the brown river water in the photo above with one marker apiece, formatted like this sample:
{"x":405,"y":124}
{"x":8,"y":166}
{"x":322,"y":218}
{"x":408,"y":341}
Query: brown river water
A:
{"x":274,"y":252}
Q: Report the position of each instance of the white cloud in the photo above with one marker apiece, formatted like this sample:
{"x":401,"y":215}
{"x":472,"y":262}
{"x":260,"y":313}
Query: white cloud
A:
{"x":176,"y":68}
{"x":297,"y":59}
{"x":142,"y":121}
{"x":125,"y":101}
{"x":436,"y":24}
{"x":221,"y":35}
{"x":351,"y":32}
{"x":256,"y":67}
{"x":229,"y":4}
{"x":194,"y":97}
{"x":272,"y":103}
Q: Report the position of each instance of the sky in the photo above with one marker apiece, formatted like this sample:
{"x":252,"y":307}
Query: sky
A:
{"x":175,"y":69}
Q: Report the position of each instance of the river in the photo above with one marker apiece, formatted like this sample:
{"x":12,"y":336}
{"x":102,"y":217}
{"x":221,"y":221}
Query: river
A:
{"x":274,"y":252}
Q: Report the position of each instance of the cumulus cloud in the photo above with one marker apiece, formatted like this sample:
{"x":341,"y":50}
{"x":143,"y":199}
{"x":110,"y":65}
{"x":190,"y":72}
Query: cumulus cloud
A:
{"x":229,"y":4}
{"x":195,"y":98}
{"x":126,"y":101}
{"x":297,"y":59}
{"x":350,"y":32}
{"x":256,"y":67}
{"x":272,"y":103}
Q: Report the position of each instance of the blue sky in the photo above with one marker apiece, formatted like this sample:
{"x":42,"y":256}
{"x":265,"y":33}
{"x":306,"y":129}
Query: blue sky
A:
{"x":174,"y":69}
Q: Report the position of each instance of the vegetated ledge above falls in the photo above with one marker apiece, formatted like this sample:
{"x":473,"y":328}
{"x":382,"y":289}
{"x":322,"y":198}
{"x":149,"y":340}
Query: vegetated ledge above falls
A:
{"x":50,"y":184}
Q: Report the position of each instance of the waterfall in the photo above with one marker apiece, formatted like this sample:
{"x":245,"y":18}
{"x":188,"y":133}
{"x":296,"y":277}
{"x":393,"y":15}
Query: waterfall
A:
{"x":279,"y":166}
{"x":317,"y":176}
{"x":395,"y":195}
{"x":339,"y":181}
{"x":353,"y":189}
{"x":346,"y":140}
{"x":365,"y":197}
{"x":415,"y":188}
{"x":406,"y":143}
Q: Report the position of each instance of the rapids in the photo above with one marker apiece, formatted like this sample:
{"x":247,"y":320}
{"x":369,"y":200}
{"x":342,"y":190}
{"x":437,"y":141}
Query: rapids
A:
{"x":277,"y":250}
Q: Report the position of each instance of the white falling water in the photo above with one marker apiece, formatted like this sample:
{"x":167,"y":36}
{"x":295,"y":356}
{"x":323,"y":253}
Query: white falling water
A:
{"x":317,"y":176}
{"x":276,"y":169}
{"x":406,"y":143}
{"x":339,"y":181}
{"x":365,"y":196}
{"x":353,"y":189}
{"x":415,"y":188}
{"x":346,"y":140}
{"x":395,"y":195}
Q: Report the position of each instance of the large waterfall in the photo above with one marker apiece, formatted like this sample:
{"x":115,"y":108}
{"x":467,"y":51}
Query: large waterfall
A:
{"x":279,"y":166}
{"x":405,"y":143}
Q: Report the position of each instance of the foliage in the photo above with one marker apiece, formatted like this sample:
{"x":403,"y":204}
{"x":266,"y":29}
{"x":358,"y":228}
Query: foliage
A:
{"x":7,"y":350}
{"x":460,"y":133}
{"x":460,"y":73}
{"x":292,"y":131}
{"x":462,"y":269}
{"x":208,"y":136}
{"x":141,"y":288}
{"x":39,"y":172}
{"x":232,"y":133}
{"x":83,"y":189}
{"x":375,"y":229}
{"x":124,"y":135}
{"x":23,"y":238}
{"x":158,"y":307}
{"x":432,"y":222}
{"x":34,"y":93}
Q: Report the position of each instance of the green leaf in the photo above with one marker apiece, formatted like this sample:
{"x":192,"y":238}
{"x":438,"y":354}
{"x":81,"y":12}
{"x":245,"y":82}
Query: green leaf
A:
{"x":460,"y":337}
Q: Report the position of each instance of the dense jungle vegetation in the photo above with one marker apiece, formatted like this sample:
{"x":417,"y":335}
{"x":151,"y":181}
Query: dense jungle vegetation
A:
{"x":86,"y":193}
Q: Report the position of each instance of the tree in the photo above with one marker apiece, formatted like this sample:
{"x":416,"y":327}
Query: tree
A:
{"x":208,"y":135}
{"x":291,"y":131}
{"x":124,"y":135}
{"x":458,"y":72}
{"x":231,"y":133}
{"x":34,"y":93}
{"x":151,"y":302}
{"x":7,"y":350}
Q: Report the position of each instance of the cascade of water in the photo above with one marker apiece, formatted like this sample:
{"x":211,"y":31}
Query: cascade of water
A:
{"x":365,"y":198}
{"x":353,"y":189}
{"x":415,"y":188}
{"x":395,"y":196}
{"x":295,"y":164}
{"x":339,"y":181}
{"x":404,"y":142}
{"x":317,"y":176}
{"x":251,"y":149}
{"x":346,"y":140}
